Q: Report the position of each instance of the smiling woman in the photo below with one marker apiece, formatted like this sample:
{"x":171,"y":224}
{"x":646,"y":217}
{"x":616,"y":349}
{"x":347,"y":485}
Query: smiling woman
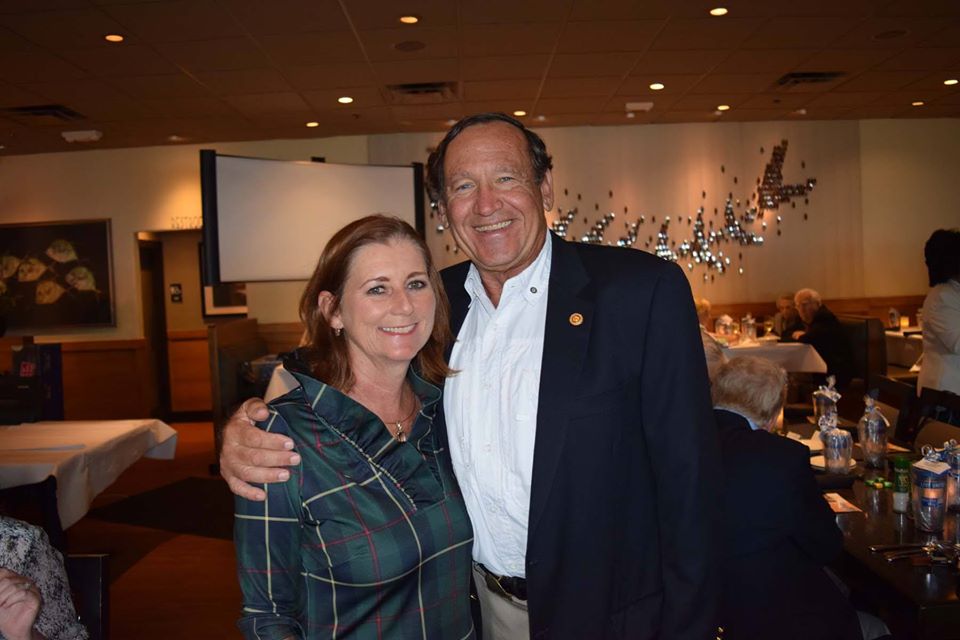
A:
{"x":369,"y":536}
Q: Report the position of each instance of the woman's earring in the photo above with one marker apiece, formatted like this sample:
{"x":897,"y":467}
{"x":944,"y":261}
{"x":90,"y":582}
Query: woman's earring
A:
{"x":337,"y":331}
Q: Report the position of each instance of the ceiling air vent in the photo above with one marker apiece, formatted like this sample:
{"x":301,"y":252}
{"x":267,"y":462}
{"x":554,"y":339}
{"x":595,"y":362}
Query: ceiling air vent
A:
{"x":42,"y":114}
{"x":801,"y":80}
{"x":422,"y":92}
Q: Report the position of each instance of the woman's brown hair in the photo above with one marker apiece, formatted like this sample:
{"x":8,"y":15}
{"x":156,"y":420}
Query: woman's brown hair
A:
{"x":325,"y":352}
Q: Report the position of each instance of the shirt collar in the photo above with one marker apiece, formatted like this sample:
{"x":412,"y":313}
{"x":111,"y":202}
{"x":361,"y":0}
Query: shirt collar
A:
{"x":531,"y":283}
{"x":752,"y":424}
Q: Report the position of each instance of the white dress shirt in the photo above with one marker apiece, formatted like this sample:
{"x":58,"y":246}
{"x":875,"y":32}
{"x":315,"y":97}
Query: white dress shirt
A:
{"x":491,"y":411}
{"x":940,"y":368}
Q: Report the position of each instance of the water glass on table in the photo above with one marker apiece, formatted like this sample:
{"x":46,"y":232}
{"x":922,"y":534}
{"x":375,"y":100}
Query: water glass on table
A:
{"x":837,"y":450}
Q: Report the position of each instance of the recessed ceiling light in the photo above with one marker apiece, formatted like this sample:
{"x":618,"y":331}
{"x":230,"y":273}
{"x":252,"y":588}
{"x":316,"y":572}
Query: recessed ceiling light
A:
{"x":344,"y":99}
{"x":951,"y":82}
{"x":411,"y":19}
{"x":799,"y":112}
{"x":916,"y":103}
{"x":718,"y":11}
{"x":313,"y":124}
{"x":175,"y":138}
{"x":519,"y":113}
{"x":656,"y":86}
{"x":541,"y":118}
{"x":631,"y":114}
{"x":723,"y":107}
{"x":113,"y":37}
{"x":451,"y":122}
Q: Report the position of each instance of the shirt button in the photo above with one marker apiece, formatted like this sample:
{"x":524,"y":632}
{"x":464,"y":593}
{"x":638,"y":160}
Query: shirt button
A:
{"x":533,"y":289}
{"x":487,"y":447}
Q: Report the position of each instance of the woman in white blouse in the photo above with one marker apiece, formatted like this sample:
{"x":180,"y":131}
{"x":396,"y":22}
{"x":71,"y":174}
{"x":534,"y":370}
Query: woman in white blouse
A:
{"x":940,"y":368}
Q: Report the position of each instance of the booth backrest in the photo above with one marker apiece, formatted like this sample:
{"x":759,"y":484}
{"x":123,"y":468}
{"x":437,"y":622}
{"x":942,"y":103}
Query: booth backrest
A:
{"x":231,"y":343}
{"x":868,"y":343}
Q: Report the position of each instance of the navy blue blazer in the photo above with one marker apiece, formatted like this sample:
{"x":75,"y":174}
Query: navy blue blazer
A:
{"x":624,"y":494}
{"x":778,"y":535}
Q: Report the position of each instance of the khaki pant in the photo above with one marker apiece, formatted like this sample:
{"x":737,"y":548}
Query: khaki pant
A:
{"x":502,"y":619}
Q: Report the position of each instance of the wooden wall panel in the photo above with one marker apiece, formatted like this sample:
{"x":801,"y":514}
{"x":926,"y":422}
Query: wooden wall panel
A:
{"x":188,"y":355}
{"x":105,"y":380}
{"x":873,"y":307}
{"x":281,"y":336}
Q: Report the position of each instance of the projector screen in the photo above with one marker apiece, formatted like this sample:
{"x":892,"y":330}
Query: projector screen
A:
{"x":268,"y":220}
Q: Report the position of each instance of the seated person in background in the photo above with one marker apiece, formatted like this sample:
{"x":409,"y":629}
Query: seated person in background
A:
{"x":778,"y":531}
{"x":823,"y":332}
{"x":35,"y":599}
{"x":703,"y":307}
{"x":786,"y":320}
{"x":711,"y":348}
{"x":941,"y":313}
{"x":714,"y":354}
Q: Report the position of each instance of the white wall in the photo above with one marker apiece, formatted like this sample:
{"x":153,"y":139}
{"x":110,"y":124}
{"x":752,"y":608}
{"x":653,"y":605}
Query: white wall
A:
{"x":143,"y":189}
{"x":911,"y":175}
{"x":883,"y":186}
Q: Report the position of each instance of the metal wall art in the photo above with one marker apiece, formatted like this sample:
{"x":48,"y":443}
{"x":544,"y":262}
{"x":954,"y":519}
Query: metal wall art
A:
{"x":703,"y":244}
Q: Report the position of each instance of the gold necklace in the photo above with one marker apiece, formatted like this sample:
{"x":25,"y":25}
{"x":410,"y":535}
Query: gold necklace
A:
{"x":400,"y":434}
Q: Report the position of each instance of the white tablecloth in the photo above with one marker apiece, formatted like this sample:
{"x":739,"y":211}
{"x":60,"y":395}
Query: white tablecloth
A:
{"x":792,"y":356}
{"x":85,"y":457}
{"x":903,"y":351}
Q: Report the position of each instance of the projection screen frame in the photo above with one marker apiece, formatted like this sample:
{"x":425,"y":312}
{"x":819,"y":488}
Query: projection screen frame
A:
{"x":211,"y":272}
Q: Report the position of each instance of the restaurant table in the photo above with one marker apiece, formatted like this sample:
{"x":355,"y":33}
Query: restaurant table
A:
{"x":84,"y":456}
{"x":903,"y":348}
{"x":920,"y":602}
{"x":792,"y":356}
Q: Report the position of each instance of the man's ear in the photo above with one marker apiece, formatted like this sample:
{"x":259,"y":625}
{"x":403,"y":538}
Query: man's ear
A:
{"x":327,"y":303}
{"x":546,"y":190}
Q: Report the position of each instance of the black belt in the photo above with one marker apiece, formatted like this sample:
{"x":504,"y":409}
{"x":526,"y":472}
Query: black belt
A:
{"x":504,"y":585}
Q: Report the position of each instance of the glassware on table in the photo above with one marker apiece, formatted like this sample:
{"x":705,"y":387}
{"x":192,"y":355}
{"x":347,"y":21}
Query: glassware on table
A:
{"x":825,"y":401}
{"x":837,"y":450}
{"x":929,"y":491}
{"x":748,"y":329}
{"x":872,"y":429}
{"x":953,"y":481}
{"x":768,"y":326}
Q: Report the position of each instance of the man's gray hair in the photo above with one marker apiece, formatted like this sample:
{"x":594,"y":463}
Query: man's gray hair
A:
{"x":811,"y":294}
{"x":751,"y":386}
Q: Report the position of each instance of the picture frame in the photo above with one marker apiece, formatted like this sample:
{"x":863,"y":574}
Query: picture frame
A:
{"x":56,"y":274}
{"x":224,"y":299}
{"x":228,"y":299}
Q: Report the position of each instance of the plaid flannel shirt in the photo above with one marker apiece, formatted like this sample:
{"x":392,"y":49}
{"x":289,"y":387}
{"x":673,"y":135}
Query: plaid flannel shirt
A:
{"x":369,"y":538}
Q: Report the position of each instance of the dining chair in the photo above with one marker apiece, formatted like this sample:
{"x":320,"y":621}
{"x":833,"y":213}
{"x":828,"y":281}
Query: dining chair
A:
{"x":90,"y":588}
{"x":935,"y":433}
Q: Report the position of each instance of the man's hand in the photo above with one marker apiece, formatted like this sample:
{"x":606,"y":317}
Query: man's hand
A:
{"x":798,"y":334}
{"x":19,"y":606}
{"x":251,"y":455}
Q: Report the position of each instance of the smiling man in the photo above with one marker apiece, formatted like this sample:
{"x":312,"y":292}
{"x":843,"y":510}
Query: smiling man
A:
{"x":579,"y":422}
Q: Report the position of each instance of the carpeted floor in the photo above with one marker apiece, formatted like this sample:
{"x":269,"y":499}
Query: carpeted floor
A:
{"x":166,"y":526}
{"x":192,"y":506}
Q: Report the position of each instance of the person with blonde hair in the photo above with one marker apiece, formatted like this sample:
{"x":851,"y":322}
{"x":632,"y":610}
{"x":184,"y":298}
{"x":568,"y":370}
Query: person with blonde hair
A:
{"x":778,"y":531}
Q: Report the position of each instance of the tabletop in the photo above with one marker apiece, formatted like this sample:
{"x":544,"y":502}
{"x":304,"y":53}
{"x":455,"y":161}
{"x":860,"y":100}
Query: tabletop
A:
{"x":792,"y":356}
{"x":921,"y":600}
{"x":85,"y":456}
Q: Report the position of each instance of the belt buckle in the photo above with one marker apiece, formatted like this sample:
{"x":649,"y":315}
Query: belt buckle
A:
{"x":494,"y":584}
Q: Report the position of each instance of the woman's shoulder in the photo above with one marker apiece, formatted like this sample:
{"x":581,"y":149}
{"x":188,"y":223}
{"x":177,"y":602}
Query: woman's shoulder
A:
{"x":945,"y":294}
